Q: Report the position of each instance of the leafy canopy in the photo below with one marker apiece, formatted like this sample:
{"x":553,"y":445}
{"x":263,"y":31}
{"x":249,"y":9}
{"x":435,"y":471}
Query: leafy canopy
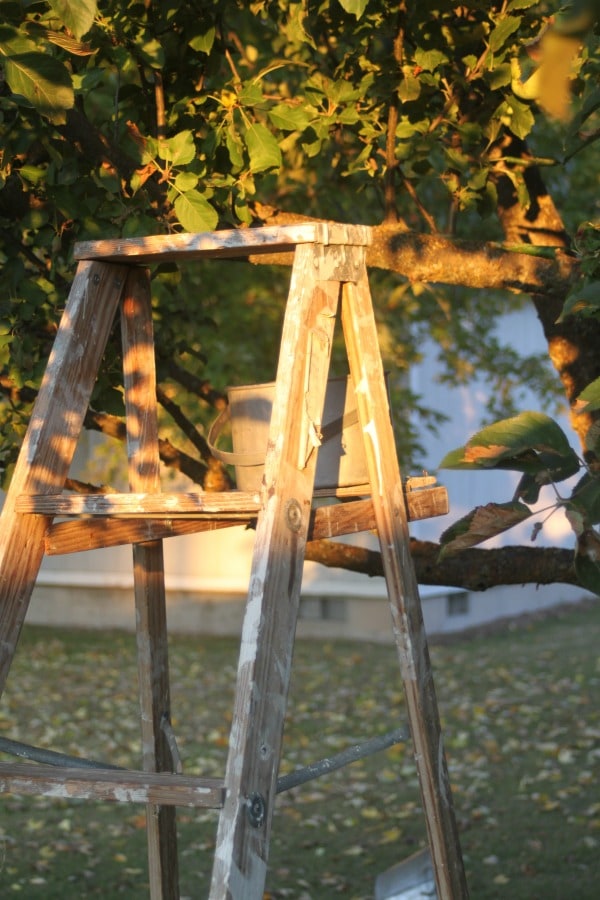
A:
{"x":140,"y":117}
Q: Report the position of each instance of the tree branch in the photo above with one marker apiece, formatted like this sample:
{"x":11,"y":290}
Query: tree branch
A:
{"x":474,"y":569}
{"x":437,"y":259}
{"x":171,"y":456}
{"x":181,"y":420}
{"x":200,"y":387}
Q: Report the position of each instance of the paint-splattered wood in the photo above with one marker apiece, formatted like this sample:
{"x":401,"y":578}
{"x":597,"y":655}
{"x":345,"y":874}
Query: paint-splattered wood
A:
{"x":387,"y":494}
{"x":234,"y":504}
{"x":271,"y":612}
{"x":326,"y":522}
{"x":139,"y":380}
{"x":214,"y":244}
{"x":49,"y":444}
{"x":122,"y":786}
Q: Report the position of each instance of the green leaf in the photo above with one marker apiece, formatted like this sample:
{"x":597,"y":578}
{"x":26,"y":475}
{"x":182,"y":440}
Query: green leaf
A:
{"x":429,"y":60}
{"x":195,"y":212}
{"x":585,"y":498}
{"x":503,"y":30}
{"x":522,"y":119}
{"x":13,"y":41}
{"x":186,"y":181}
{"x":40,"y":79}
{"x":251,"y":94}
{"x":521,"y":4}
{"x":531,"y":443}
{"x":263,"y":149}
{"x":409,"y":88}
{"x":503,"y":444}
{"x":583,"y":301}
{"x":178,"y":150}
{"x":588,"y":573}
{"x":482,"y":523}
{"x":313,"y":148}
{"x":499,"y":76}
{"x":289,"y":118}
{"x":77,"y":15}
{"x":203,"y":43}
{"x":354,"y":7}
{"x":589,"y":399}
{"x":592,"y":438}
{"x":587,"y":559}
{"x":234,"y":148}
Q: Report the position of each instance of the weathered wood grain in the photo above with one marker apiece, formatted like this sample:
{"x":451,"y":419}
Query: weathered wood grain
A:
{"x":122,"y":786}
{"x":271,"y":612}
{"x":234,"y":504}
{"x":390,"y":513}
{"x":326,"y":522}
{"x":49,"y":444}
{"x":139,"y":379}
{"x":227,"y":243}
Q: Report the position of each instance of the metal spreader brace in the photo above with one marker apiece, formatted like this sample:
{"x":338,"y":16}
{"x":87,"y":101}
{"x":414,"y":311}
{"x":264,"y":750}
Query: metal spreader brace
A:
{"x":328,"y":267}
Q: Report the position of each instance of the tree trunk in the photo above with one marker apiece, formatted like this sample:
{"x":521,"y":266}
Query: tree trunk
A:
{"x":572,"y":343}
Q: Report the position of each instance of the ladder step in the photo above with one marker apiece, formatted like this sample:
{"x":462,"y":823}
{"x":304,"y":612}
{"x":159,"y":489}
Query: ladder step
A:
{"x":329,"y":521}
{"x":230,"y":505}
{"x":160,"y":788}
{"x":214,"y":244}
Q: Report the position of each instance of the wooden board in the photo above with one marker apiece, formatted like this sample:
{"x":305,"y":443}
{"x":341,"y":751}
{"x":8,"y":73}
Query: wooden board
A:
{"x":139,"y":379}
{"x":214,"y":244}
{"x":49,"y":444}
{"x":155,"y":524}
{"x":387,"y":494}
{"x":122,"y":786}
{"x":234,"y":504}
{"x":269,"y":624}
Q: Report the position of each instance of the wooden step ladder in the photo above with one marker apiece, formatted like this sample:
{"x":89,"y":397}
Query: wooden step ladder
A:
{"x":328,"y":264}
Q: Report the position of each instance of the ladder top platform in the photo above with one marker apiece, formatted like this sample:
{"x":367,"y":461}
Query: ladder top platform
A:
{"x":227,"y":243}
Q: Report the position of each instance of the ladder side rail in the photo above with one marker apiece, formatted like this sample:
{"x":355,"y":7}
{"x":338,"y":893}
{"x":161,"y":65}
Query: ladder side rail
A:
{"x":243,"y":834}
{"x":366,"y":368}
{"x":149,"y":584}
{"x":47,"y":451}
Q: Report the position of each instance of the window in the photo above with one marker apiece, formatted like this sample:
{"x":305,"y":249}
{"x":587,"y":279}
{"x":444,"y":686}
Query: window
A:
{"x":458,"y":604}
{"x":329,"y":609}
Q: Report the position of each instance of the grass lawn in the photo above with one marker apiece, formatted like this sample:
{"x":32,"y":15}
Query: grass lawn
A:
{"x":521,"y":719}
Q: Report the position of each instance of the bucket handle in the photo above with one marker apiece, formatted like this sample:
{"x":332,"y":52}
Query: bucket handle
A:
{"x":231,"y":459}
{"x":328,"y":433}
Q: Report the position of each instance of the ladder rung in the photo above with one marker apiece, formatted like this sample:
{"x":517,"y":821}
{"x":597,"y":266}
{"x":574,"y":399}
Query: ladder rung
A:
{"x":160,"y":788}
{"x":329,"y":521}
{"x":228,"y":504}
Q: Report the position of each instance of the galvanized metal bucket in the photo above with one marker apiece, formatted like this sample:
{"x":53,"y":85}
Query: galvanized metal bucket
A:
{"x":341,"y":462}
{"x":412,"y":879}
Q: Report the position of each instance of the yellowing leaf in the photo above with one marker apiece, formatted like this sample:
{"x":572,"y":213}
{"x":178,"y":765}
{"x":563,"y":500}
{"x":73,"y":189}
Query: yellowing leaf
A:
{"x":482,"y":523}
{"x":479,"y":453}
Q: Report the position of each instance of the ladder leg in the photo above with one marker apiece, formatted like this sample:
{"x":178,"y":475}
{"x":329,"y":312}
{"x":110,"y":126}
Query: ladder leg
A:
{"x":49,"y":444}
{"x":388,"y":502}
{"x":271,"y":611}
{"x":148,"y":567}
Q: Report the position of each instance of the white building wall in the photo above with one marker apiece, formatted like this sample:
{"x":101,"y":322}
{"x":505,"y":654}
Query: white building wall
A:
{"x":207,"y":574}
